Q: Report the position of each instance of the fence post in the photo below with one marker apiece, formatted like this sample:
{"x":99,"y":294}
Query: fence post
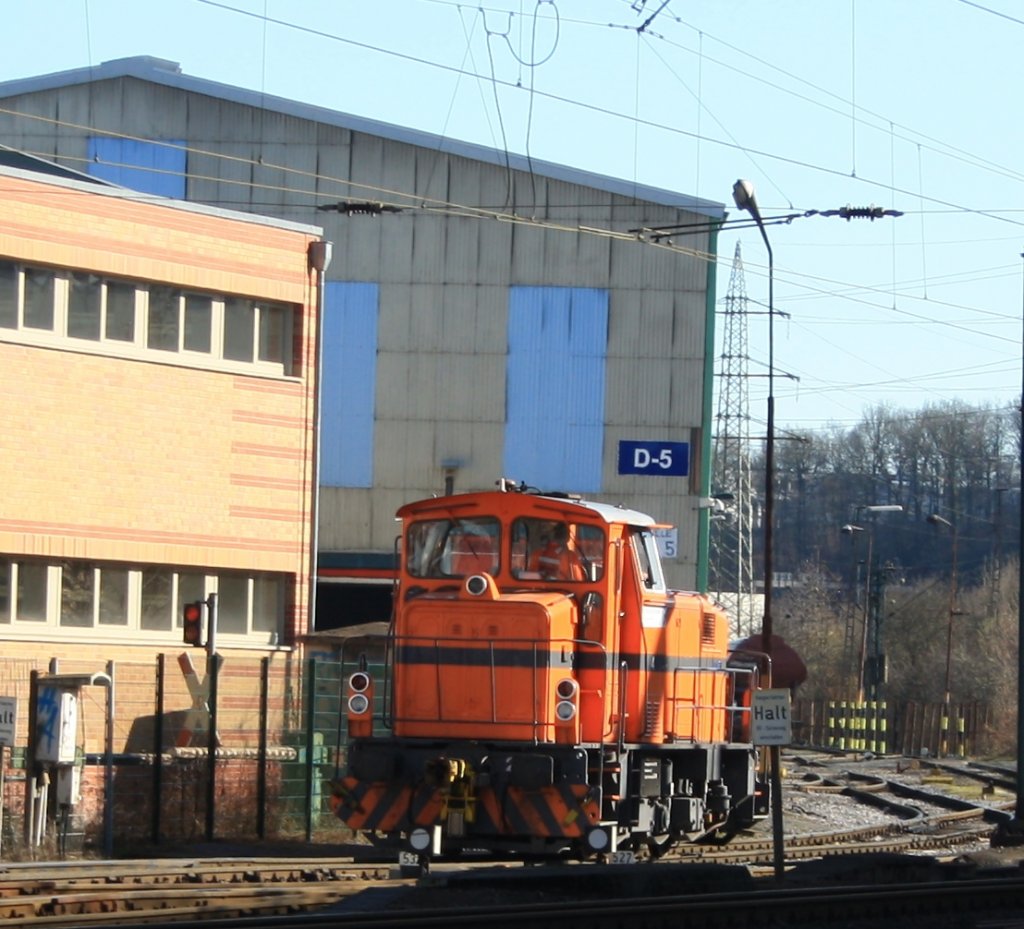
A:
{"x":261,"y":771}
{"x":310,"y":715}
{"x":158,"y":746}
{"x":30,"y":760}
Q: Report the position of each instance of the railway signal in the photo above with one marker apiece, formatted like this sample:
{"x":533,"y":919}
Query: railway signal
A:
{"x":192,"y":624}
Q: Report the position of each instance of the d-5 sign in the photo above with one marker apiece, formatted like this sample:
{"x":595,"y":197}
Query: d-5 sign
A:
{"x":655,"y":459}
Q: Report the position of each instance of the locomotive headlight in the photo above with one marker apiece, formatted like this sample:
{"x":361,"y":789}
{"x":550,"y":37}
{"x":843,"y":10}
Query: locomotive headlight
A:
{"x":565,"y":711}
{"x":419,"y":840}
{"x":359,"y":682}
{"x":567,"y":688}
{"x":598,"y":840}
{"x":358,"y":704}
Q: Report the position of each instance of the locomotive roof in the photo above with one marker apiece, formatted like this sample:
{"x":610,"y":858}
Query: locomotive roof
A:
{"x":501,"y":502}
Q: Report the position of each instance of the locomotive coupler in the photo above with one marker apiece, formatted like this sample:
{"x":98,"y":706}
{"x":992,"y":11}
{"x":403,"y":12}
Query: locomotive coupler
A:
{"x":456,"y":780}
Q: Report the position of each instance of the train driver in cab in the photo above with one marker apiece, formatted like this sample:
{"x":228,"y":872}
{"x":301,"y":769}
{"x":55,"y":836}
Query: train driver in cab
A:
{"x":555,"y":559}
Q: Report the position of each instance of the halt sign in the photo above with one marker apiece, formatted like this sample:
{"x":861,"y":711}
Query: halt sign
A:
{"x":770,"y":723}
{"x":8,"y":718}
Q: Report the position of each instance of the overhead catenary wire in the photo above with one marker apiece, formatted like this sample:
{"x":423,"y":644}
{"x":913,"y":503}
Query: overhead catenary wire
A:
{"x":477,"y":210}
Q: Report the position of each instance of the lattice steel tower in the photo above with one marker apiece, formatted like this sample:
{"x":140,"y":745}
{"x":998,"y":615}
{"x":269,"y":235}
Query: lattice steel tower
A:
{"x":731,"y":562}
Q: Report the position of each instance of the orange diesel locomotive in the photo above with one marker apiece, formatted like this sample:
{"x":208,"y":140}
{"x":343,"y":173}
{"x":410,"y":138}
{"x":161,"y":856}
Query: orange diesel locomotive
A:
{"x":546,"y":693}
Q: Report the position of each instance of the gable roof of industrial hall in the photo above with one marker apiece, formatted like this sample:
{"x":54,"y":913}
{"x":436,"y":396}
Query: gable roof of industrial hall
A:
{"x":169,"y":73}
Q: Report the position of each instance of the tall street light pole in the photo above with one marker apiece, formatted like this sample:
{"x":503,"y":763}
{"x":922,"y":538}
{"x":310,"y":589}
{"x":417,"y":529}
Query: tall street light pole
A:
{"x":869,"y":571}
{"x":1012,"y":833}
{"x":743,"y":195}
{"x":937,"y":520}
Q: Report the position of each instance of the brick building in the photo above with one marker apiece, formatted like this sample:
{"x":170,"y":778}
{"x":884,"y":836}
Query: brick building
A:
{"x":158,"y":365}
{"x":486,"y":315}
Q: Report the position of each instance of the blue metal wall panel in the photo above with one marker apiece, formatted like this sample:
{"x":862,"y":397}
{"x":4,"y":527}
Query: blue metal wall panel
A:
{"x":554,"y":433}
{"x":148,"y":167}
{"x":348,"y":384}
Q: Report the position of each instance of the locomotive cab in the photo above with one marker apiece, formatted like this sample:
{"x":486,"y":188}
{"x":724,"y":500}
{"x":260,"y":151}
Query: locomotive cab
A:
{"x":547,"y":693}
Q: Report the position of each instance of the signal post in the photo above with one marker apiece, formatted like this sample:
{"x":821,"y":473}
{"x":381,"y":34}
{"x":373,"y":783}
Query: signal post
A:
{"x":192,"y":634}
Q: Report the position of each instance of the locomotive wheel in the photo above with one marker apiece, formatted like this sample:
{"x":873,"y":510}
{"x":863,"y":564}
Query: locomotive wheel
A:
{"x":658,"y":845}
{"x":721,"y":836}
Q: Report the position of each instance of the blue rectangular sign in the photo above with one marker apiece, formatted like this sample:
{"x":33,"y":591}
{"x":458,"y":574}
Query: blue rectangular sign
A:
{"x":655,"y":459}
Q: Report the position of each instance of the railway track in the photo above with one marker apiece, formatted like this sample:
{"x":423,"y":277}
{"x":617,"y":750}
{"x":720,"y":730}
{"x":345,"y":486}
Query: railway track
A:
{"x":107,"y":892}
{"x":917,"y":821}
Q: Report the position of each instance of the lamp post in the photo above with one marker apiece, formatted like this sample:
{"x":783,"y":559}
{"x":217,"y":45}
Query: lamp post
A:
{"x":937,"y":520}
{"x":851,"y":529}
{"x":1012,"y":832}
{"x":743,"y":195}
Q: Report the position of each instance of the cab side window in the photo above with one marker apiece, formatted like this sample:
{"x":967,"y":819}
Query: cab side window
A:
{"x":649,"y":561}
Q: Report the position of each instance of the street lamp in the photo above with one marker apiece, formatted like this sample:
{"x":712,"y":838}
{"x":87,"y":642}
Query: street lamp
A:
{"x":937,"y":520}
{"x":850,"y":528}
{"x":743,"y":195}
{"x":1012,"y":832}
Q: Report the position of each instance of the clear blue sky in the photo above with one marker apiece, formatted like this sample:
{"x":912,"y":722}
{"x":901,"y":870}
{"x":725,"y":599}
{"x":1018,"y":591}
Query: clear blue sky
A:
{"x":911,"y":105}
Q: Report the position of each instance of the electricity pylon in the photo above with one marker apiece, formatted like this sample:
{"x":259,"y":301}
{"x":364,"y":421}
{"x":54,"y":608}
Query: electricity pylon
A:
{"x":731,"y":563}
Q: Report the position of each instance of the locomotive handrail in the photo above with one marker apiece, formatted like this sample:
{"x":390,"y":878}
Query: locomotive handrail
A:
{"x":760,"y":658}
{"x":623,"y":690}
{"x":538,"y":658}
{"x":730,"y":708}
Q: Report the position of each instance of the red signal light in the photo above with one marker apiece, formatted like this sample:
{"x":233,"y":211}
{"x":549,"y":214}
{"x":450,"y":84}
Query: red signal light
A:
{"x":192,"y":624}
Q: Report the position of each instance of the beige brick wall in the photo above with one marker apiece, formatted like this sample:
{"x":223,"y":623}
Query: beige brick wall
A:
{"x":145,"y":462}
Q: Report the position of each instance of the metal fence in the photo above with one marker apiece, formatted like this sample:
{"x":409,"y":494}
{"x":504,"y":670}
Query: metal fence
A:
{"x":147,"y":773}
{"x":911,"y":728}
{"x":149,"y":777}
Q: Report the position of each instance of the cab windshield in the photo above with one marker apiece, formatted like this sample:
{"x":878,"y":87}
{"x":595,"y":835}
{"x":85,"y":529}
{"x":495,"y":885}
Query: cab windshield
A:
{"x":553,"y":550}
{"x":452,"y":547}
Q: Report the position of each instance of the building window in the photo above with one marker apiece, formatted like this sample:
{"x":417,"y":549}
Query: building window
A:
{"x":6,"y":569}
{"x":31,"y":592}
{"x":8,"y":295}
{"x":126,"y":318}
{"x":198,"y":323}
{"x":162,"y":318}
{"x":39,"y":299}
{"x":239,"y":316}
{"x":85,"y":293}
{"x":120,"y":317}
{"x":113,"y":603}
{"x":232,"y":603}
{"x":275,"y":324}
{"x":77,"y":594}
{"x":191,"y":587}
{"x":267,"y":604}
{"x":157,"y":600}
{"x":143,"y":602}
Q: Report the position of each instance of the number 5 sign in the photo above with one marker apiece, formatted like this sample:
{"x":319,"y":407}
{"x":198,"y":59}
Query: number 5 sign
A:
{"x":654,"y":459}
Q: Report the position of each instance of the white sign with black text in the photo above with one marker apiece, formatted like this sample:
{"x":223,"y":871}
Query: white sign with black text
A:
{"x":8,"y":721}
{"x":770,"y":717}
